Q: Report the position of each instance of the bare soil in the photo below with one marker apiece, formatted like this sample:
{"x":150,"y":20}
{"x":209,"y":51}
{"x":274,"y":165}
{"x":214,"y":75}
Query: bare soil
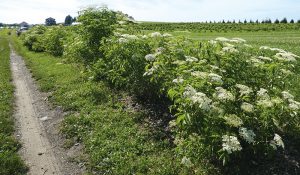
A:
{"x":37,"y":125}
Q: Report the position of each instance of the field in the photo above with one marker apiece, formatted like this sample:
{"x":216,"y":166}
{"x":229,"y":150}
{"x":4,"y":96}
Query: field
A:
{"x":194,"y":101}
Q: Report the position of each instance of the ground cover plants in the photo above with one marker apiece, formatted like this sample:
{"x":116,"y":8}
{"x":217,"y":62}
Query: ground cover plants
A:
{"x":231,"y":104}
{"x":10,"y":162}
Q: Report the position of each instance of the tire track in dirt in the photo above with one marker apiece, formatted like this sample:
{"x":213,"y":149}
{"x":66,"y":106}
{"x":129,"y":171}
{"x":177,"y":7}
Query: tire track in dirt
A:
{"x":37,"y":127}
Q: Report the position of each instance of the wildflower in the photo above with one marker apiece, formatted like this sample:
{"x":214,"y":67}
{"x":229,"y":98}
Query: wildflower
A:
{"x":213,"y":42}
{"x":215,"y":78}
{"x":150,"y":57}
{"x":144,"y":36}
{"x":122,"y":40}
{"x":229,"y":49}
{"x":228,"y":45}
{"x":256,"y":62}
{"x":265,"y":58}
{"x":179,"y":62}
{"x":199,"y":74}
{"x":286,"y":72}
{"x":178,"y":80}
{"x":266,"y":103}
{"x":263,"y":93}
{"x":186,"y":161}
{"x":230,"y":144}
{"x":223,"y":94}
{"x":233,"y":120}
{"x":159,"y":50}
{"x":294,"y":105}
{"x":238,"y":40}
{"x":197,"y":98}
{"x":167,"y":35}
{"x":286,"y":56}
{"x":246,"y":134}
{"x":244,"y":90}
{"x":155,"y":34}
{"x":277,"y":142}
{"x":247,"y":107}
{"x":191,"y":59}
{"x":286,"y":95}
{"x":222,"y":39}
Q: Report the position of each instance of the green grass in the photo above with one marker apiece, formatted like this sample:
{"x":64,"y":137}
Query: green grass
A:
{"x":117,"y":139}
{"x":10,"y":162}
{"x":288,"y":40}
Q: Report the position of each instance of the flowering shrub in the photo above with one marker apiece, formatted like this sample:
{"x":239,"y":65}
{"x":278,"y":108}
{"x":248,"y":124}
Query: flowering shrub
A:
{"x":33,"y":39}
{"x":230,"y":97}
{"x":54,"y":40}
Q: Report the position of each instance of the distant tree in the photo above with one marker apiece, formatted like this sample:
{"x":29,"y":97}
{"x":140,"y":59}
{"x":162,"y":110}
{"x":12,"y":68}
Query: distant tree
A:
{"x":74,"y":19}
{"x":233,"y":21}
{"x":284,"y":21}
{"x":251,"y":21}
{"x":292,"y":21}
{"x":240,"y":21}
{"x":257,"y":21}
{"x":245,"y":21}
{"x":50,"y":21}
{"x":1,"y":25}
{"x":298,"y":21}
{"x":68,"y":20}
{"x":223,"y":21}
{"x":276,"y":21}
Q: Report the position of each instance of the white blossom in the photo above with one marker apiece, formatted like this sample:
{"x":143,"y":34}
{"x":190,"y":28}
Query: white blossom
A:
{"x":294,"y":105}
{"x":286,"y":56}
{"x":199,"y":74}
{"x":229,"y":49}
{"x":122,"y":40}
{"x":223,"y":95}
{"x":244,"y":90}
{"x":179,"y":62}
{"x":178,"y":80}
{"x":156,"y":34}
{"x":277,"y":142}
{"x":167,"y":35}
{"x":215,"y":78}
{"x":186,"y":161}
{"x":191,"y":59}
{"x":197,"y":98}
{"x":265,"y":58}
{"x":247,"y":107}
{"x":266,"y":103}
{"x":233,"y":120}
{"x":150,"y":57}
{"x":247,"y":135}
{"x":263,"y":93}
{"x":238,"y":40}
{"x":230,"y":144}
{"x":286,"y":95}
{"x":222,"y":39}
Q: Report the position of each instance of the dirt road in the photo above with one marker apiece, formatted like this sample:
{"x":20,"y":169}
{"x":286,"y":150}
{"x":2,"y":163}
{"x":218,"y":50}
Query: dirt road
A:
{"x":37,"y":126}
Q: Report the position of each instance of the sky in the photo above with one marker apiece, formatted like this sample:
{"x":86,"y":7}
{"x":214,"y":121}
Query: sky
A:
{"x":36,"y":11}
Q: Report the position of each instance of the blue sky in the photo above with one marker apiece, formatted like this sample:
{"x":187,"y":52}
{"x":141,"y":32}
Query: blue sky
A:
{"x":36,"y":11}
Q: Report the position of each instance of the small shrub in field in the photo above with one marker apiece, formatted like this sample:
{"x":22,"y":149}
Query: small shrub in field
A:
{"x":54,"y":40}
{"x":33,"y":39}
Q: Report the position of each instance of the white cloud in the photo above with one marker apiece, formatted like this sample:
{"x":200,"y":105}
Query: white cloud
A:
{"x":35,"y":11}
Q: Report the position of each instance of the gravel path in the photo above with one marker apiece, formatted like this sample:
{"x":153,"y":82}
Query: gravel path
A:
{"x":38,"y":127}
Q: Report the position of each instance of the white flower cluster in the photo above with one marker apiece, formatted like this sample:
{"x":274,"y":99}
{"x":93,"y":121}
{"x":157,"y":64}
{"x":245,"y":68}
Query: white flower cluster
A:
{"x":244,"y":90}
{"x":247,"y":107}
{"x":264,"y":99}
{"x":190,"y":59}
{"x":202,"y":75}
{"x":286,"y":56}
{"x":179,"y":62}
{"x":167,"y":35}
{"x":223,"y":95}
{"x":150,"y":57}
{"x":230,"y":144}
{"x":277,"y":142}
{"x":272,"y":49}
{"x":156,"y":34}
{"x":233,"y":120}
{"x":229,"y":49}
{"x":178,"y":80}
{"x":215,"y":78}
{"x":246,"y":134}
{"x":197,"y":98}
{"x":186,"y":162}
{"x":256,"y":62}
{"x":234,"y":40}
{"x":265,"y":58}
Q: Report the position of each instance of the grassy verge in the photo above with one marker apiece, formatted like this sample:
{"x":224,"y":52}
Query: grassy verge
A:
{"x":10,"y":162}
{"x":117,"y":138}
